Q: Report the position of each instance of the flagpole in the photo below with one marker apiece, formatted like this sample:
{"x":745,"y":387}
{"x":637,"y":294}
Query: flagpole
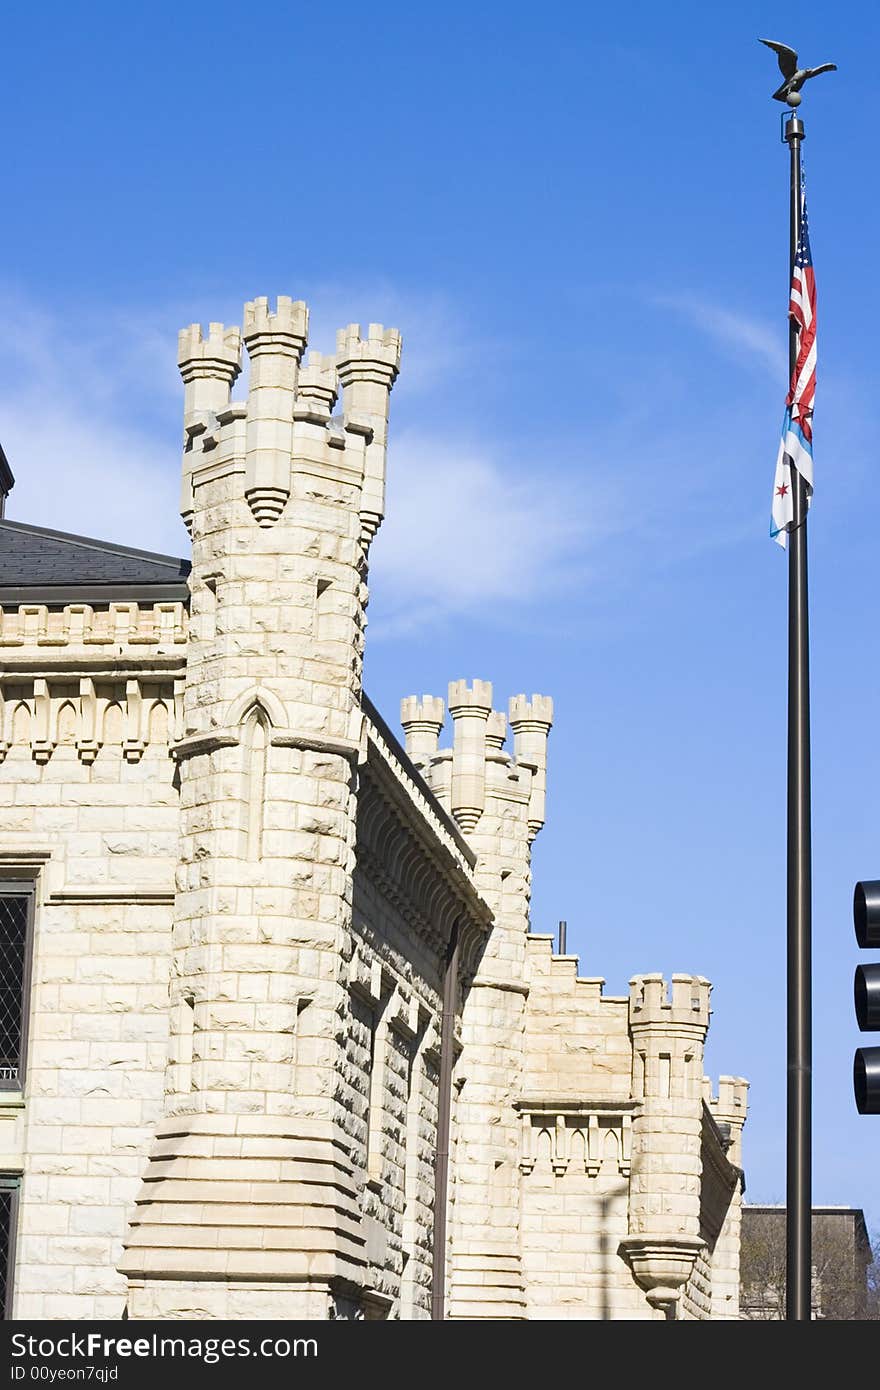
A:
{"x":799,"y":909}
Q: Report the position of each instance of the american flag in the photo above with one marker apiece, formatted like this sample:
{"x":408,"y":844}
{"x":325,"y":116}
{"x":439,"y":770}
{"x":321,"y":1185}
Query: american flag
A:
{"x":796,"y":444}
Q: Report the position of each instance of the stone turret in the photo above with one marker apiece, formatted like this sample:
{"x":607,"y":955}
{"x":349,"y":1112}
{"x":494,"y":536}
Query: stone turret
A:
{"x":470,"y":707}
{"x":249,"y":1204}
{"x":275,"y":343}
{"x":729,"y":1110}
{"x":668,"y":1030}
{"x":367,"y":369}
{"x":498,"y":800}
{"x":422,"y":719}
{"x":209,"y":367}
{"x":531,"y":721}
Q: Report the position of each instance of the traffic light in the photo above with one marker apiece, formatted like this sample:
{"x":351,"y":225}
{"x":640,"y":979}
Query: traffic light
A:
{"x":866,"y":988}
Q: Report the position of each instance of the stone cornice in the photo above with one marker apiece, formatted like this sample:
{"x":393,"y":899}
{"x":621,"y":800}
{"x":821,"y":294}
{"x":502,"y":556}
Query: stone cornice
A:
{"x":380,"y":734}
{"x":575,"y":1105}
{"x":404,"y":850}
{"x":143,"y":665}
{"x":713,"y":1155}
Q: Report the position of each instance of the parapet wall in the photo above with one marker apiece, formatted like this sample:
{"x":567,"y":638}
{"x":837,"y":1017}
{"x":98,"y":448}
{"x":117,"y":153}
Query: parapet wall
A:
{"x":577,"y":1039}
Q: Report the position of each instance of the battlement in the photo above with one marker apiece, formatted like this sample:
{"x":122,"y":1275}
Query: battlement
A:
{"x":284,"y":330}
{"x":216,"y":356}
{"x":478,"y":762}
{"x":286,"y":425}
{"x":425,"y":709}
{"x":653,"y":1005}
{"x":496,"y":730}
{"x":532,"y":716}
{"x":37,"y":630}
{"x":318,"y":385}
{"x":374,"y":358}
{"x":731,"y":1103}
{"x":422,"y":719}
{"x":464,"y":699}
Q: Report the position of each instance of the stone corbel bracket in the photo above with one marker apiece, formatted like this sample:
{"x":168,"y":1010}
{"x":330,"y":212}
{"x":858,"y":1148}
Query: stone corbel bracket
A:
{"x":662,"y":1265}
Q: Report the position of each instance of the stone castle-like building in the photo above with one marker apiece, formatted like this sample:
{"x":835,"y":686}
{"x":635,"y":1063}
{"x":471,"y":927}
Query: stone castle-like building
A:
{"x":276,"y":1040}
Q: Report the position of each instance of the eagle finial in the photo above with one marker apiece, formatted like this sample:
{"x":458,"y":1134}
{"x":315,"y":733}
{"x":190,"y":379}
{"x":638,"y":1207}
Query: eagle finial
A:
{"x":795,"y":77}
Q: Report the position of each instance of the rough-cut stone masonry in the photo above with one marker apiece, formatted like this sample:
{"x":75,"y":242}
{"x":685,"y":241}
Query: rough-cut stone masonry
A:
{"x":252,"y":903}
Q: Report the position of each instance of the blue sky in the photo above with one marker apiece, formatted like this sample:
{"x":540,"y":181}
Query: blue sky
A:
{"x":576,"y":215}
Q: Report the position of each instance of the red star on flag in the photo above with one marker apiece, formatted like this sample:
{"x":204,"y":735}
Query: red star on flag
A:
{"x":781,"y":491}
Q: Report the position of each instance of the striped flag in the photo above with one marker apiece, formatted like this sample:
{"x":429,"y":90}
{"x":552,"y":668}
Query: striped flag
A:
{"x":796,"y":444}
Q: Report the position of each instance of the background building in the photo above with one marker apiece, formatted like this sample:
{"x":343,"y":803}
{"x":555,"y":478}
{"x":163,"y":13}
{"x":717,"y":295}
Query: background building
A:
{"x":278,"y":1041}
{"x":842,"y":1259}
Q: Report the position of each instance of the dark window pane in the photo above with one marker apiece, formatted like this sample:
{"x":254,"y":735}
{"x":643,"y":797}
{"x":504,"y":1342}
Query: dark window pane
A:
{"x":6,"y":1195}
{"x":13,"y":940}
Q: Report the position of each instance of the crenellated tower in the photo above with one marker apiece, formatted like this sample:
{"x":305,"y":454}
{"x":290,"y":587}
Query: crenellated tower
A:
{"x":497,"y":798}
{"x":209,"y":367}
{"x":275,"y":343}
{"x":248,"y":1207}
{"x":668,"y":1030}
{"x":422,"y":719}
{"x":729,"y":1110}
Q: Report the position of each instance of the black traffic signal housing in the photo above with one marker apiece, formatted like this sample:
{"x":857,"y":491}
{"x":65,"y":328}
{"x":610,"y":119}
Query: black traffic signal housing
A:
{"x":866,"y":990}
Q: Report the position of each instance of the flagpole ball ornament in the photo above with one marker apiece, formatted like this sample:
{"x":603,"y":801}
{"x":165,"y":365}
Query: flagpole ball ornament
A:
{"x":794,"y":77}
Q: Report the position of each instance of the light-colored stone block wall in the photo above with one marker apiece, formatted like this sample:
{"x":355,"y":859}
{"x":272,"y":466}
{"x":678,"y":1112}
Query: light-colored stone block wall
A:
{"x":88,"y":809}
{"x":260,"y":1139}
{"x":576,"y":1036}
{"x":397,"y":1140}
{"x":572,"y":1225}
{"x":576,"y":1144}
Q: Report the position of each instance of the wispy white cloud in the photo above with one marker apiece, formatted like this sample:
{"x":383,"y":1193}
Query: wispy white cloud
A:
{"x":747,"y":338}
{"x":483,"y":522}
{"x":88,"y":422}
{"x":465,"y":534}
{"x":89,"y":418}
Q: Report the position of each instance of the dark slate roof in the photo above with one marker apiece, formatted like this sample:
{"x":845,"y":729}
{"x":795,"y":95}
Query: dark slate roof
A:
{"x":42,"y":566}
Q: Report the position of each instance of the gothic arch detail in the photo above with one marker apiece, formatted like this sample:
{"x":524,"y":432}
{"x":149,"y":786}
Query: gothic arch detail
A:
{"x":257,"y":695}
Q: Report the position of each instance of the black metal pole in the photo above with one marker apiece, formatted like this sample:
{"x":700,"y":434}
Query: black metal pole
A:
{"x":799,"y":914}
